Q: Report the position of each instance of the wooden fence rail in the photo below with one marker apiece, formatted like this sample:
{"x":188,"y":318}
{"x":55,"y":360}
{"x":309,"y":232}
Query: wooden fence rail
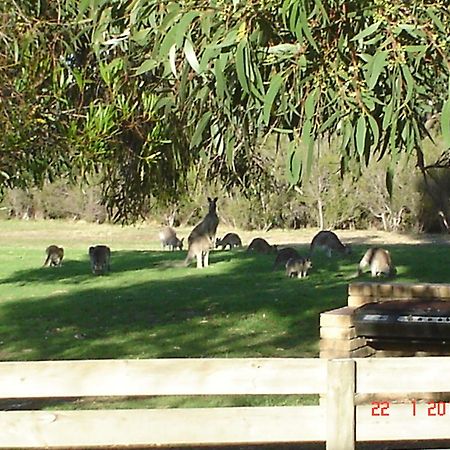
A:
{"x":340,"y":421}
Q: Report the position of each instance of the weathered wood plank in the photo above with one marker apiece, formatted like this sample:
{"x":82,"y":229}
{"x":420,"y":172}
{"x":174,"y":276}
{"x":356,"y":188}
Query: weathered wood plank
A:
{"x":403,"y":375}
{"x":401,"y":424}
{"x":162,"y":377}
{"x":81,"y":429}
{"x":340,"y":405}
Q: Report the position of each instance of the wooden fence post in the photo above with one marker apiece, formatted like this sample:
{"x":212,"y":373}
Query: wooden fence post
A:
{"x":340,"y":404}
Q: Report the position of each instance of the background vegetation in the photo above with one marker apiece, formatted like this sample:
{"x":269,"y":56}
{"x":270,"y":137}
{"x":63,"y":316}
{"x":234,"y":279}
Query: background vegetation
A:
{"x":325,"y":200}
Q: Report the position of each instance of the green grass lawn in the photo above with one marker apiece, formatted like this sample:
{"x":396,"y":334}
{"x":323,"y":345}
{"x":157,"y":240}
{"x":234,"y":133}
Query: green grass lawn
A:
{"x":150,"y":307}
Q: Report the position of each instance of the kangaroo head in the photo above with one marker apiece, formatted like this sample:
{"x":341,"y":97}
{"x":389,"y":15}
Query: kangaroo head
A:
{"x":212,"y":204}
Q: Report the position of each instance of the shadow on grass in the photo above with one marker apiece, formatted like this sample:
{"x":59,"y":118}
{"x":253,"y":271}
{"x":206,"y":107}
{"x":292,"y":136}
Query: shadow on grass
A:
{"x":236,"y":307}
{"x":121,"y":261}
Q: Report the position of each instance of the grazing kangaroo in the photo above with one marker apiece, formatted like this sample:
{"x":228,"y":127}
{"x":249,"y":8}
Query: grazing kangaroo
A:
{"x":379,"y":261}
{"x":298,"y":267}
{"x":168,"y":237}
{"x":260,"y":245}
{"x":230,"y":239}
{"x":55,"y":256}
{"x":202,"y":237}
{"x":100,"y":257}
{"x":283,"y":256}
{"x":328,"y":241}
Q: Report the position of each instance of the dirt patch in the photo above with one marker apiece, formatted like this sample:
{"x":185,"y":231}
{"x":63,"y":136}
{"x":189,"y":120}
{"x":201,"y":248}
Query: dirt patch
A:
{"x":145,"y":236}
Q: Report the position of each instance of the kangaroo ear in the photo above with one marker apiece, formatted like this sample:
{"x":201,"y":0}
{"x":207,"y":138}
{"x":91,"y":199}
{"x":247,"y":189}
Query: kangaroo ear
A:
{"x":215,"y":199}
{"x":209,"y":199}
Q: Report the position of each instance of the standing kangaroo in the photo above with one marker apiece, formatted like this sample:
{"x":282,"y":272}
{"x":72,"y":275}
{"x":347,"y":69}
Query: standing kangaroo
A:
{"x":379,"y":261}
{"x":260,"y":245}
{"x":55,"y":256}
{"x":100,"y":257}
{"x":168,"y":237}
{"x":283,"y":256}
{"x":298,"y":267}
{"x":328,"y":241}
{"x":230,"y":239}
{"x":202,"y":237}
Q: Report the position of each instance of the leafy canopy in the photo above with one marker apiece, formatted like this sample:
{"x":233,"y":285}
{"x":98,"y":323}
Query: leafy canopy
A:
{"x":142,"y":91}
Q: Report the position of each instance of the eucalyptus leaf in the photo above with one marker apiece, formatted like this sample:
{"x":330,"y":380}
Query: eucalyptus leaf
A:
{"x":197,"y":136}
{"x":146,"y":66}
{"x":274,"y":87}
{"x":190,"y":55}
{"x":173,"y":59}
{"x":361,"y":135}
{"x":445,"y":123}
{"x":367,"y":31}
{"x":240,"y":65}
{"x":376,"y":67}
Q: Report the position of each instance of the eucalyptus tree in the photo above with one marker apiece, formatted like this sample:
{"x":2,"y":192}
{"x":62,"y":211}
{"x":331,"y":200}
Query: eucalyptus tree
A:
{"x":143,"y":90}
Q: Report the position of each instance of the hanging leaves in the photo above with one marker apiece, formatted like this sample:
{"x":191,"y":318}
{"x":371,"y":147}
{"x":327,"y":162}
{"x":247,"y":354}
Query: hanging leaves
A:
{"x":224,"y":76}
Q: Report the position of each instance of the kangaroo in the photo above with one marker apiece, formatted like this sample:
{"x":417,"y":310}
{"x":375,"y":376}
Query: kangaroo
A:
{"x":283,"y":255}
{"x":199,"y":248}
{"x":202,"y":237}
{"x":100,"y":257}
{"x":379,"y":261}
{"x":208,"y":226}
{"x":230,"y":239}
{"x":298,"y":267}
{"x":328,"y":241}
{"x":55,"y":256}
{"x":260,"y":245}
{"x":168,"y":237}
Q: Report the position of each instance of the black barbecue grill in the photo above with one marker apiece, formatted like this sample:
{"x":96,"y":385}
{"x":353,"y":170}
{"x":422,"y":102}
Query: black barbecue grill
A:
{"x":400,"y":320}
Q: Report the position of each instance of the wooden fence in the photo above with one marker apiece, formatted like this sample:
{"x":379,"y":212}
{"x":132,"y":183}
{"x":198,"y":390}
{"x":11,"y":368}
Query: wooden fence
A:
{"x":339,"y":421}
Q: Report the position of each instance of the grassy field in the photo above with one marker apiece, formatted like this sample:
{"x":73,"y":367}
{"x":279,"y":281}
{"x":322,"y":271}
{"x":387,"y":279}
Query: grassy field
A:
{"x":150,"y":307}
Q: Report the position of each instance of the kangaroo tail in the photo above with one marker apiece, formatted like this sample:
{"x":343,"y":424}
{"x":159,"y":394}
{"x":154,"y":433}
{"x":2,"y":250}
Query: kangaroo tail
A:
{"x":186,"y":262}
{"x":179,"y":264}
{"x":47,"y":261}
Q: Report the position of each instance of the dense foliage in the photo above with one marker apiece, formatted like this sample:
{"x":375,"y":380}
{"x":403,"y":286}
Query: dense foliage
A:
{"x":143,"y":91}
